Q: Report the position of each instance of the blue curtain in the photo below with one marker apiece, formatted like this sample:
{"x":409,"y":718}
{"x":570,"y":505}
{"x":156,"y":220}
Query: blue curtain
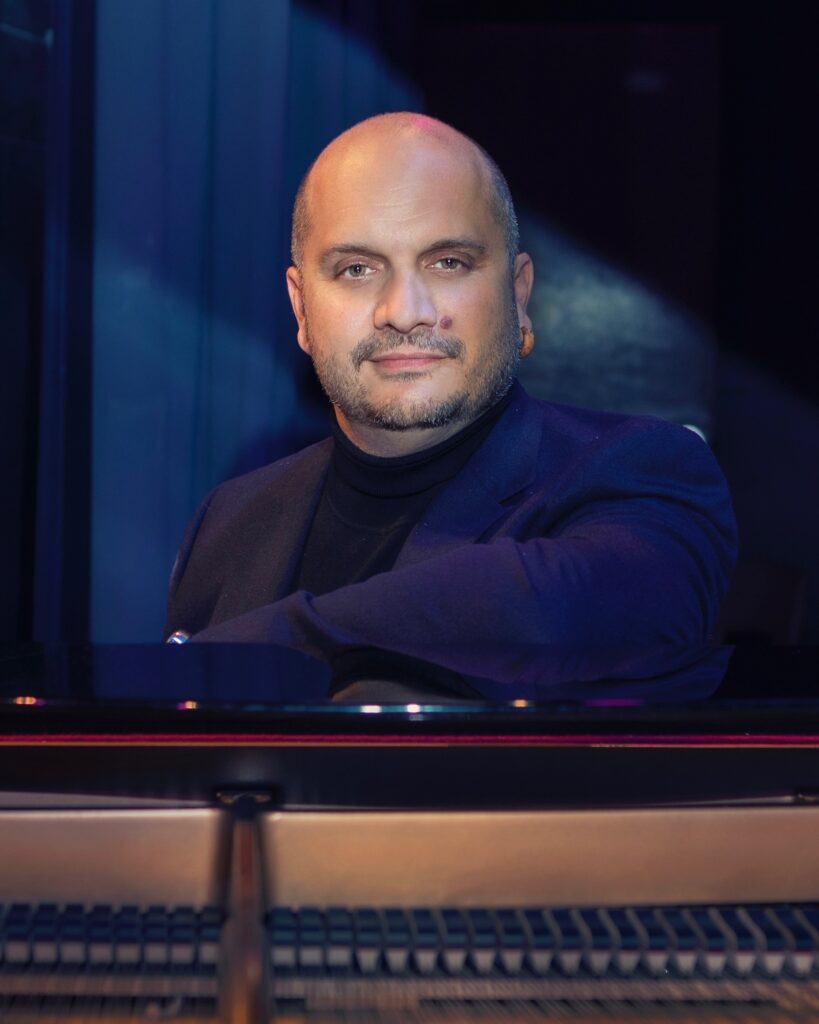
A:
{"x":207,"y":114}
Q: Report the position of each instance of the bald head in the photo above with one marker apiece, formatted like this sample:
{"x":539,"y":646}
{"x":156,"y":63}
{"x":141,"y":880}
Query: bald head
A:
{"x":372,"y":140}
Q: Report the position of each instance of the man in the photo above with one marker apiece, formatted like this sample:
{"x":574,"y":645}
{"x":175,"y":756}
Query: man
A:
{"x":451,"y":518}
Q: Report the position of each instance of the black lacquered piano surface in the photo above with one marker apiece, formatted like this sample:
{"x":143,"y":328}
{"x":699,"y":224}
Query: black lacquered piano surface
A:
{"x":243,"y":833}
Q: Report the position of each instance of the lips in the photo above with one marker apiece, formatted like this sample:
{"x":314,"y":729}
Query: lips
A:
{"x":389,"y":349}
{"x":414,"y":356}
{"x":414,"y":360}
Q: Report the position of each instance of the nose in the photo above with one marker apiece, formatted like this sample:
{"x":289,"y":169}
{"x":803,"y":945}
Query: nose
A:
{"x":405,"y":303}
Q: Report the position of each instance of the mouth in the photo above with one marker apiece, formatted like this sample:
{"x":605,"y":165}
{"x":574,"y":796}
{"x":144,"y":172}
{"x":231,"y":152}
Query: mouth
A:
{"x":402,"y":362}
{"x":391,"y":352}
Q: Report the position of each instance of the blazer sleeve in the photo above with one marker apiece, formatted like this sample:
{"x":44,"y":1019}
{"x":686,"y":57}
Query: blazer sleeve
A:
{"x":640,"y":555}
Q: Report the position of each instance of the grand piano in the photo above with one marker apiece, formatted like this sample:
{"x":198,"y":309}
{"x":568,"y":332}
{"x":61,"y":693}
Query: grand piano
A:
{"x":240,"y":833}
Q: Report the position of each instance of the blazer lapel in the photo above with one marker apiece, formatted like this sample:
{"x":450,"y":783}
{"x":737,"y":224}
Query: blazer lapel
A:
{"x":294,"y":516}
{"x":264,"y":543}
{"x":474,"y":500}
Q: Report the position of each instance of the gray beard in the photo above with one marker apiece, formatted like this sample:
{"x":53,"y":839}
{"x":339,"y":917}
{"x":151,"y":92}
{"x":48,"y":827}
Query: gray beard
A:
{"x":482,"y":389}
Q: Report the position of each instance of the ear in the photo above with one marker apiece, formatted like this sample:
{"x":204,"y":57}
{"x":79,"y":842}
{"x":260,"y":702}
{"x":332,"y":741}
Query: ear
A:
{"x":524,"y":278}
{"x":296,"y":293}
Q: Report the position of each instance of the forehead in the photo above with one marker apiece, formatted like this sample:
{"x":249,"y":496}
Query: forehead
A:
{"x":399,"y":192}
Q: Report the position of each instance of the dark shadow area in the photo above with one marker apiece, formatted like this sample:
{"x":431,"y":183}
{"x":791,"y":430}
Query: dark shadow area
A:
{"x":608,"y":131}
{"x":23,"y":104}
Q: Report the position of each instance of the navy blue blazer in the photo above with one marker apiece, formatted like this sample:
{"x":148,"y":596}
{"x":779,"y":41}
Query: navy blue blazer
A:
{"x":567,"y":528}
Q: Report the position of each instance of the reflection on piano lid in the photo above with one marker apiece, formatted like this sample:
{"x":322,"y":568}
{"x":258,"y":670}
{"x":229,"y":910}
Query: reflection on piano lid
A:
{"x":125,"y":687}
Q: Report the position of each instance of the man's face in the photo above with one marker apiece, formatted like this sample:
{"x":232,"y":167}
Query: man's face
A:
{"x":406,"y":302}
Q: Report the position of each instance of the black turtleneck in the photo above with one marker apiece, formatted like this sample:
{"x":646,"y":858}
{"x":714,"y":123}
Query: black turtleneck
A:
{"x":369,"y":504}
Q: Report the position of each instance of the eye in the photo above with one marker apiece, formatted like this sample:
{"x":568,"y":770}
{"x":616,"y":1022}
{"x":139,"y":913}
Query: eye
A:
{"x":449,"y":263}
{"x":356,"y":271}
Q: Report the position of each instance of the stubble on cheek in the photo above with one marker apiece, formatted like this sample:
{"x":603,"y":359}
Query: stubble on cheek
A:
{"x":484,"y":383}
{"x":342,"y":379}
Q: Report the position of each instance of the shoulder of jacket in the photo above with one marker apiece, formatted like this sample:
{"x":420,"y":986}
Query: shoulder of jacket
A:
{"x":581,"y":427}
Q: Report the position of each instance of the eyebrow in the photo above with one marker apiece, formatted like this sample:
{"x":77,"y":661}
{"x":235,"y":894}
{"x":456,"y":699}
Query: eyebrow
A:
{"x":347,"y":249}
{"x":355,"y":249}
{"x":478,"y":248}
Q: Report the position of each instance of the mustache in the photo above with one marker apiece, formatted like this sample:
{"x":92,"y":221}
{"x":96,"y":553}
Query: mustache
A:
{"x":389,"y":341}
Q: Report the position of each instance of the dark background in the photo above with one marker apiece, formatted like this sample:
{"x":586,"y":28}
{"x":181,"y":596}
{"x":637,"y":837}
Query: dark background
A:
{"x":672,"y":149}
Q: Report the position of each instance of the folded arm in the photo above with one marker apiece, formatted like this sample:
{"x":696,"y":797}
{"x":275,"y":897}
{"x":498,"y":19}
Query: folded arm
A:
{"x":619,"y":577}
{"x":639,"y":557}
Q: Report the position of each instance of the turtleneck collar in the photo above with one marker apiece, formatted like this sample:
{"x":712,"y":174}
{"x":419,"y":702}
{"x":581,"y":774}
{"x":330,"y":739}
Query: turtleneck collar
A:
{"x":404,"y":475}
